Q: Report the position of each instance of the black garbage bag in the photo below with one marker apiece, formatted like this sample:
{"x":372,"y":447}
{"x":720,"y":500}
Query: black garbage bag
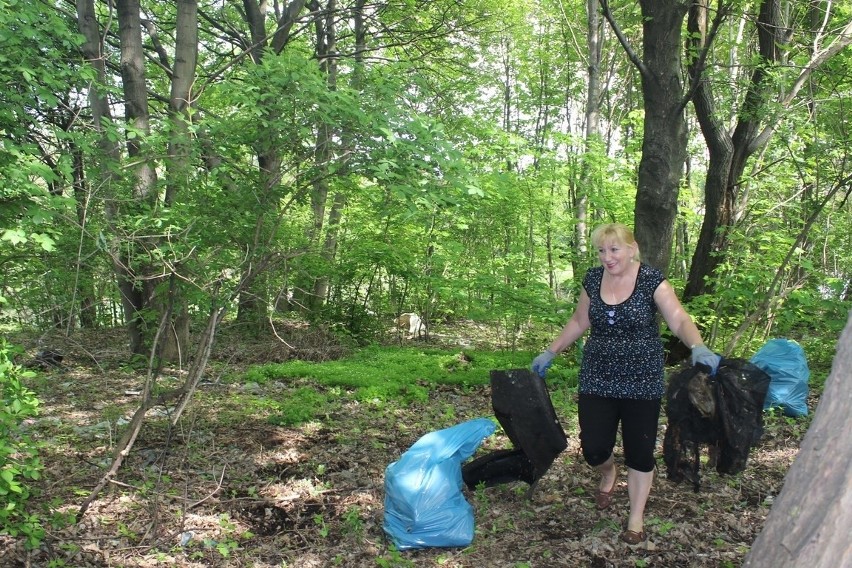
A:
{"x":723,"y":412}
{"x":741,"y":394}
{"x":498,"y":467}
{"x":690,"y":425}
{"x":523,"y":407}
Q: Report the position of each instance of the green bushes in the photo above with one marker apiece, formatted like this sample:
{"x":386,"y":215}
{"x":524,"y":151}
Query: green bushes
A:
{"x":19,"y":462}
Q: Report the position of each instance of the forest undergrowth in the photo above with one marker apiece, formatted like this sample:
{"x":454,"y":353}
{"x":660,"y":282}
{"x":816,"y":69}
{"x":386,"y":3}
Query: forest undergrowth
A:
{"x":226,"y":486}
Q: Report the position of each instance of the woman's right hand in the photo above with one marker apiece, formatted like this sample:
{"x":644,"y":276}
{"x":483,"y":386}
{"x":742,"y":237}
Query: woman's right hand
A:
{"x":542,"y":363}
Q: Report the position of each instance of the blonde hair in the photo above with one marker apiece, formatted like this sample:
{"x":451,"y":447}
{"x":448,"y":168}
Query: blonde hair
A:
{"x":615,"y":232}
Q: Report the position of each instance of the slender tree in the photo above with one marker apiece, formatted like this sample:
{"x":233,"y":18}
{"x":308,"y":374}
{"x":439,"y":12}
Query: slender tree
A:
{"x":730,"y":150}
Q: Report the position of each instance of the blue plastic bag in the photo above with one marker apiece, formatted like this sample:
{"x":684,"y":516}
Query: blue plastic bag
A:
{"x":785,"y":363}
{"x":424,"y":505}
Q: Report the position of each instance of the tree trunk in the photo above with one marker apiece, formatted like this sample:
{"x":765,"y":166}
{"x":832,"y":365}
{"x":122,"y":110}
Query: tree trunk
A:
{"x":665,"y":134}
{"x":131,"y":297}
{"x":335,"y":215}
{"x":729,"y":153}
{"x":325,"y":48}
{"x":135,"y":96}
{"x":180,"y":97}
{"x":253,"y":301}
{"x":664,"y":139}
{"x":753,"y":131}
{"x":809,"y":521}
{"x":130,"y":273}
{"x":329,"y":249}
{"x":594,"y":44}
{"x":174,"y":344}
{"x":85,"y":286}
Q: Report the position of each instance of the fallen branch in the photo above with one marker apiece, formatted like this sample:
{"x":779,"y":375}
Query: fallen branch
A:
{"x":212,"y":493}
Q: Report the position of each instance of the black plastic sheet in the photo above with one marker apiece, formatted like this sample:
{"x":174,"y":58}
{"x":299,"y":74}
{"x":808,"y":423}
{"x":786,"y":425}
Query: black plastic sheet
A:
{"x":723,"y":412}
{"x":523,"y":407}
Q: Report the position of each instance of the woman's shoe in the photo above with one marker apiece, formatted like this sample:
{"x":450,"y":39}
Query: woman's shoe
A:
{"x":633,"y":537}
{"x":603,"y":499}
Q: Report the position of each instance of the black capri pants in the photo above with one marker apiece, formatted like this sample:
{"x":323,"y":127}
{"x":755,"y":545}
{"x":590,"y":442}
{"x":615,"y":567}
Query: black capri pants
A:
{"x":599,"y":418}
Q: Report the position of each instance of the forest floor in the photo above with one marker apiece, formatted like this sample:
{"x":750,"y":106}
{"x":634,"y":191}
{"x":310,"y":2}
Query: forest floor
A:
{"x":226,"y":488}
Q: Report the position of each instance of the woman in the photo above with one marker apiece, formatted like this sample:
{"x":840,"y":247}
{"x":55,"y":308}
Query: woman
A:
{"x":621,"y":374}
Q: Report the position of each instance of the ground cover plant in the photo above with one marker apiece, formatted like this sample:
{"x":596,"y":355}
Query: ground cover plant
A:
{"x":280,"y":462}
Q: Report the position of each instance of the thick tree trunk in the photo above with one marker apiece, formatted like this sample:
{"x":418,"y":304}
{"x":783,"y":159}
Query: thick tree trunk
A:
{"x":174,"y":343}
{"x":753,"y":131}
{"x":180,"y":96}
{"x":664,"y":140}
{"x":809,"y":524}
{"x":135,"y":96}
{"x":729,"y":153}
{"x":718,"y":201}
{"x":135,"y":297}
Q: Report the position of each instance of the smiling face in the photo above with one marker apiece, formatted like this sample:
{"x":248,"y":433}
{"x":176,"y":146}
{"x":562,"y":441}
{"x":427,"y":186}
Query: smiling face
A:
{"x":616,"y":256}
{"x":617,"y":248}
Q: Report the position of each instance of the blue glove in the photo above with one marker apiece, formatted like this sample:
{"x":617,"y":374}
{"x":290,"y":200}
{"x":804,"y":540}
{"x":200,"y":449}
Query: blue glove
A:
{"x":542,"y":363}
{"x":703,"y":356}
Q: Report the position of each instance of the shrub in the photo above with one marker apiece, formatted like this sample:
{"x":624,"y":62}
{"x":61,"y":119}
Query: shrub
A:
{"x":19,"y":462}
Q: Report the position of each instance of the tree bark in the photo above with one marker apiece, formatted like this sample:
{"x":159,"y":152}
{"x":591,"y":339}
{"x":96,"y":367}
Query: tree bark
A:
{"x":180,"y":96}
{"x":729,"y":153}
{"x":174,"y":344}
{"x":93,"y":50}
{"x":136,"y":291}
{"x":809,"y":524}
{"x":665,"y":133}
{"x":85,"y":287}
{"x":325,"y":52}
{"x":135,"y":95}
{"x":594,"y":43}
{"x":664,"y":139}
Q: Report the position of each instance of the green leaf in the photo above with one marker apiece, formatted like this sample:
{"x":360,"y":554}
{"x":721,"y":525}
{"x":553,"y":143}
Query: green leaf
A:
{"x":45,"y":241}
{"x":14,"y":236}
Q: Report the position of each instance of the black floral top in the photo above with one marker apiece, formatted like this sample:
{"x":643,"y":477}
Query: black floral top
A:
{"x":623,"y":356}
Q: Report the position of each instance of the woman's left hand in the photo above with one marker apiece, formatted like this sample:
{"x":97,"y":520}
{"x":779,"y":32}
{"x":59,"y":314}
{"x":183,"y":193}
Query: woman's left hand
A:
{"x":703,"y":356}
